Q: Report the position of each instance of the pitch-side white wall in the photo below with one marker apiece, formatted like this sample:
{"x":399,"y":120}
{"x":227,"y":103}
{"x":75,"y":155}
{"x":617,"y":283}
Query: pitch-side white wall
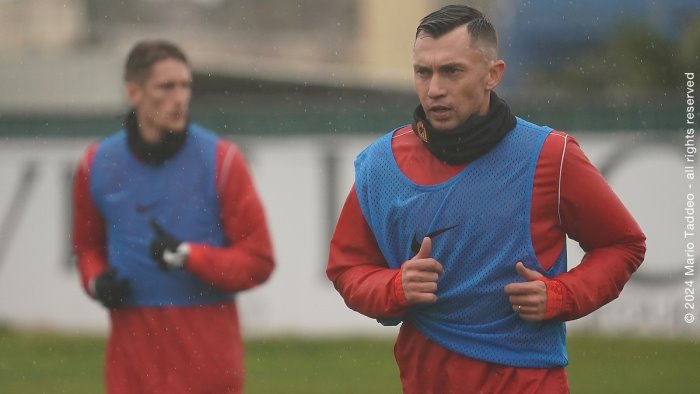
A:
{"x":303,"y":181}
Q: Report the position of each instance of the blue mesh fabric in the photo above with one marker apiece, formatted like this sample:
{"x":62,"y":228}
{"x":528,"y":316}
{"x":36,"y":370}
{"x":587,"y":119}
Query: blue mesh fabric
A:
{"x":180,"y":195}
{"x":482,"y":217}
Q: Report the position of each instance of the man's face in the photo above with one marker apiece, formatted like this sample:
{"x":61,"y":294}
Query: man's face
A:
{"x":453,"y":78}
{"x":162,"y":99}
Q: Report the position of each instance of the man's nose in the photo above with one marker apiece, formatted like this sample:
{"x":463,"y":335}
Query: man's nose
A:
{"x":182,"y":94}
{"x":436,"y":86}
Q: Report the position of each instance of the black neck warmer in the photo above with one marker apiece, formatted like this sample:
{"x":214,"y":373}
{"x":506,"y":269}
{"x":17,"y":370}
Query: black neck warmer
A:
{"x":470,"y":140}
{"x":153,"y":154}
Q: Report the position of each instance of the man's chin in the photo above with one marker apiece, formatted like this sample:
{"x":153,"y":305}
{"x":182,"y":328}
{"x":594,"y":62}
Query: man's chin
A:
{"x":177,"y":127}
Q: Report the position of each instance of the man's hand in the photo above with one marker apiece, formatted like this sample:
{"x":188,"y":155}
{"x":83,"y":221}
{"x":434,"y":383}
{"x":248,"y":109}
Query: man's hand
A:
{"x":529,"y":299}
{"x":419,"y":276}
{"x":110,"y":291}
{"x":169,"y":252}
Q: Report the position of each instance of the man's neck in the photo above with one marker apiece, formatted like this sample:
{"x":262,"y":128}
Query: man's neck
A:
{"x":148,"y":133}
{"x":155,"y":151}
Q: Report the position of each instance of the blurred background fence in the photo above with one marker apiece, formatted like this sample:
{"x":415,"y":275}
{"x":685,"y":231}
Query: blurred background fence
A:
{"x":302,"y":86}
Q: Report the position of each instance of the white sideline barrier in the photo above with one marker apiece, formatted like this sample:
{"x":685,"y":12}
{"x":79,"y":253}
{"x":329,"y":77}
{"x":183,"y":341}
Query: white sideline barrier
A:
{"x":303,"y":182}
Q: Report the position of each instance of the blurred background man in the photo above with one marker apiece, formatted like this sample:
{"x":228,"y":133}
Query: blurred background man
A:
{"x":168,"y":227}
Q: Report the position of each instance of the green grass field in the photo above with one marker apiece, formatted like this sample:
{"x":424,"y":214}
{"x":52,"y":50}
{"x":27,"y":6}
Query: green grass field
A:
{"x":50,"y":363}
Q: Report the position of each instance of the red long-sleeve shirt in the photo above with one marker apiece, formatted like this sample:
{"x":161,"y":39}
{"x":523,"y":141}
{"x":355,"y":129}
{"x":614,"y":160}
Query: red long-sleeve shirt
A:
{"x":569,"y":197}
{"x":182,"y":349}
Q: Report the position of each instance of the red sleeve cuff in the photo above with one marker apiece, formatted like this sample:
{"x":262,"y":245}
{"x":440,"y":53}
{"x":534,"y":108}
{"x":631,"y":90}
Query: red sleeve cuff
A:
{"x":555,"y":298}
{"x":399,"y":295}
{"x":196,"y":256}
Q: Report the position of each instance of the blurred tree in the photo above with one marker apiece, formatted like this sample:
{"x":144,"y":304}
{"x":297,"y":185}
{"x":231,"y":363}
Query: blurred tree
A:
{"x":636,"y":63}
{"x":645,"y":60}
{"x":689,"y":45}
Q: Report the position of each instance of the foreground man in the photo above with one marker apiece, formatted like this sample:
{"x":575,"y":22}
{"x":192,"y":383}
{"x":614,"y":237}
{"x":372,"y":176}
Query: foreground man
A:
{"x":456,"y":226}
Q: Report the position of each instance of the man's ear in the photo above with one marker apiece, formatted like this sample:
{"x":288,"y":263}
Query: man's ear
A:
{"x":496,"y":71}
{"x":134,"y":93}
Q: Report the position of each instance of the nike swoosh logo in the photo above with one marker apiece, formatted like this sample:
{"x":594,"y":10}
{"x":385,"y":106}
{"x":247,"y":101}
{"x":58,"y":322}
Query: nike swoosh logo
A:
{"x":415,"y":243}
{"x":143,"y":208}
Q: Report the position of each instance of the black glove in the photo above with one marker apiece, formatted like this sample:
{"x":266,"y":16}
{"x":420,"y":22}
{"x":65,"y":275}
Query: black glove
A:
{"x":110,"y":291}
{"x":169,"y":252}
